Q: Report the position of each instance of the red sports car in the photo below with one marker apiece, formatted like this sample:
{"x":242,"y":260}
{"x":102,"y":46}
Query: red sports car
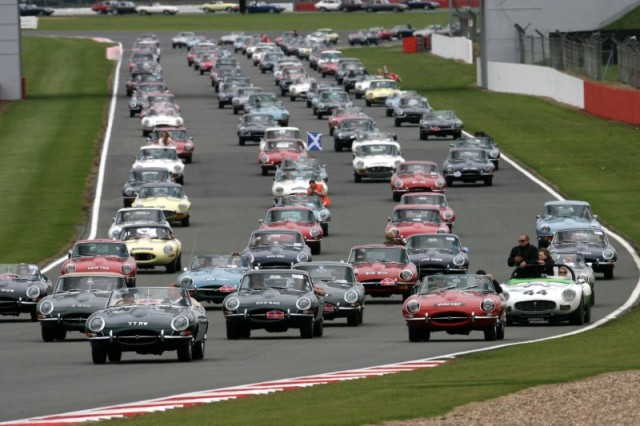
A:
{"x":416,"y":176}
{"x":297,"y":218}
{"x":101,"y":255}
{"x":384,"y":270}
{"x":340,"y":114}
{"x":413,"y":219}
{"x":457,"y":304}
{"x":276,"y":150}
{"x":328,"y":68}
{"x":439,"y":200}
{"x":180,"y":138}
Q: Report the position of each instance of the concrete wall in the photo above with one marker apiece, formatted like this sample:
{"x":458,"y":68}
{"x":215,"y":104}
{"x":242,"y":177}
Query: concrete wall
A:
{"x":545,"y":16}
{"x":10,"y":68}
{"x":458,"y":48}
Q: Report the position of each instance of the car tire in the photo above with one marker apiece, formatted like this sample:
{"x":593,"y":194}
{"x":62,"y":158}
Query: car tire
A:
{"x":292,"y":98}
{"x":500,"y":331}
{"x":397,"y":122}
{"x":491,"y":333}
{"x":389,"y":112}
{"x":167,"y":12}
{"x":318,"y":328}
{"x":241,"y":141}
{"x":185,"y":352}
{"x":608,"y":274}
{"x":48,"y":334}
{"x":306,"y":330}
{"x":132,"y":114}
{"x":353,"y":320}
{"x":424,"y":136}
{"x":114,"y":355}
{"x":319,"y":115}
{"x":367,"y":103}
{"x":199,"y":349}
{"x":457,"y":135}
{"x":185,"y":221}
{"x":325,"y":229}
{"x":396,"y":196}
{"x":337,"y":146}
{"x":587,"y":313}
{"x":418,"y":335}
{"x":357,"y":178}
{"x":315,"y":248}
{"x":235,"y":110}
{"x":179,"y":262}
{"x":233,"y":331}
{"x":358,"y":96}
{"x":188,"y":159}
{"x":265,"y":171}
{"x":98,"y":355}
{"x":488,"y":181}
{"x":172,"y":267}
{"x":577,"y":317}
{"x":33,"y":315}
{"x":180,"y":180}
{"x":449,"y":181}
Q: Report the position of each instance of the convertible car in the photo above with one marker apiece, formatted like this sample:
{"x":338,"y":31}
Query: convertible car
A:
{"x":437,"y":254}
{"x":131,"y":215}
{"x":384,"y":270}
{"x":563,"y":214}
{"x":416,"y":176}
{"x":270,"y":249}
{"x":274,"y":300}
{"x":75,"y":297}
{"x":298,"y":218}
{"x":148,"y":320}
{"x":457,"y":304}
{"x":440,"y":123}
{"x":314,"y":202}
{"x":210,"y":278}
{"x":152,"y":244}
{"x":276,"y":151}
{"x":166,"y":157}
{"x":593,"y":244}
{"x":21,"y":288}
{"x":251,"y":127}
{"x":410,"y":219}
{"x":169,"y":197}
{"x":556,"y":298}
{"x":376,"y":160}
{"x":344,"y":296}
{"x":138,"y":177}
{"x":433,"y":199}
{"x":100,"y":255}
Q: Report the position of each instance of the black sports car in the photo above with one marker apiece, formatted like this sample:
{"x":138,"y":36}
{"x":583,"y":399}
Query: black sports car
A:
{"x":272,"y":249}
{"x":593,"y":244}
{"x":437,"y":254}
{"x":253,"y":125}
{"x":467,"y":165}
{"x":21,"y":287}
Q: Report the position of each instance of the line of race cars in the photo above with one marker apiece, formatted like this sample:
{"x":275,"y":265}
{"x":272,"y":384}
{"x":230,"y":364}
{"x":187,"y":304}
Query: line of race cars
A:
{"x":420,"y":259}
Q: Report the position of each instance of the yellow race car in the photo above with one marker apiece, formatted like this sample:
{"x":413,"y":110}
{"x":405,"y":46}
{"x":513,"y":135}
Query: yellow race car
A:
{"x":379,"y":90}
{"x":167,"y":196}
{"x":332,"y":35}
{"x":219,"y":6}
{"x":152,"y":244}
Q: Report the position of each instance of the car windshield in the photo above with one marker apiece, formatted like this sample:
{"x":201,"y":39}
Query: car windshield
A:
{"x":383,"y":85}
{"x":152,"y":232}
{"x":282,"y":133}
{"x":439,"y":283}
{"x":417,"y":243}
{"x":312,"y":201}
{"x":150,"y":296}
{"x":379,"y":254}
{"x":259,"y":119}
{"x":576,"y":211}
{"x":289,"y":145}
{"x":20,"y":271}
{"x":299,"y":174}
{"x":281,"y":280}
{"x":575,"y":260}
{"x":218,"y":261}
{"x":463,"y":155}
{"x":364,"y":124}
{"x":139,"y":215}
{"x":161,"y":191}
{"x":431,"y":199}
{"x":298,"y":216}
{"x":580,"y":236}
{"x":175,"y":134}
{"x":100,"y":249}
{"x":328,"y":273}
{"x":416,"y":215}
{"x":413,"y":103}
{"x":150,"y":176}
{"x":158,"y":154}
{"x":440,"y":115}
{"x":371,"y":150}
{"x":334,"y":96}
{"x":276,"y":238}
{"x":413,"y":168}
{"x":89,"y":283}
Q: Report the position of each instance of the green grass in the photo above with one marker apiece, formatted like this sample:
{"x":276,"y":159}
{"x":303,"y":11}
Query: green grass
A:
{"x":50,"y":141}
{"x":57,"y":129}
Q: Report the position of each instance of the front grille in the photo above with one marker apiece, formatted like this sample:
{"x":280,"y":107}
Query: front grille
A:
{"x":134,"y":337}
{"x":143,"y":257}
{"x":450,"y":318}
{"x":379,"y":169}
{"x":535,"y":306}
{"x":75,"y":318}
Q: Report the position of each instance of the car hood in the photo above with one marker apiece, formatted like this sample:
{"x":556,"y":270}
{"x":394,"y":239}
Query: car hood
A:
{"x":453,"y":298}
{"x":83,"y":301}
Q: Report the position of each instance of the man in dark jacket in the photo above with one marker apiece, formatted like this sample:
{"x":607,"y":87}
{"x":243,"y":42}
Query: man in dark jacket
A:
{"x":524,"y":257}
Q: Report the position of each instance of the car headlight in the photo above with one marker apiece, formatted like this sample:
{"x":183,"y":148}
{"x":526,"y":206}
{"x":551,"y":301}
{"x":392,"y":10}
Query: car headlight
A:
{"x":232,"y":303}
{"x":351,"y":296}
{"x":359,"y":164}
{"x":494,"y":153}
{"x":449,"y":169}
{"x":33,"y":292}
{"x":146,"y":122}
{"x":394,"y":231}
{"x":447,"y":215}
{"x":179,"y":121}
{"x":320,"y":106}
{"x":399,"y":111}
{"x":458,"y":260}
{"x":314,"y":232}
{"x":398,"y":183}
{"x":177,"y":168}
{"x":302,"y":257}
{"x":188,"y":147}
{"x":340,"y":135}
{"x":608,"y":254}
{"x":168,"y":249}
{"x":569,"y":294}
{"x":546,"y":229}
{"x":264,"y":158}
{"x":46,"y":307}
{"x":183,"y":206}
{"x":413,"y":306}
{"x":96,"y":324}
{"x":303,"y":303}
{"x":186,"y":282}
{"x":128,"y":191}
{"x":487,"y":305}
{"x":582,"y":279}
{"x":70,"y":268}
{"x":458,"y":124}
{"x":279,"y":190}
{"x":180,"y":323}
{"x":249,"y":257}
{"x":439,"y":183}
{"x":126,"y":269}
{"x":115,"y":233}
{"x":443,"y":230}
{"x":406,"y":275}
{"x":324,"y":214}
{"x":489,"y":168}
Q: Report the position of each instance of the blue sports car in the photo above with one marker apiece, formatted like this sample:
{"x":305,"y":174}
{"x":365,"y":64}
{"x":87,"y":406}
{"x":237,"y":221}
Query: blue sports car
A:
{"x":568,"y":214}
{"x":212,"y":277}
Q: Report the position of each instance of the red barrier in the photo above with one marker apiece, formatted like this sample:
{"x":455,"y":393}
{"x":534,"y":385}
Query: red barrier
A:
{"x":613,"y":103}
{"x":409,"y":45}
{"x":305,"y":7}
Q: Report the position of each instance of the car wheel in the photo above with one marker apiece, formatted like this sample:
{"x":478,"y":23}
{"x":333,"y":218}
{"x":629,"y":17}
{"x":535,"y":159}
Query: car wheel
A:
{"x":173,"y":45}
{"x":587,"y":313}
{"x":389,"y":112}
{"x":172,"y":267}
{"x":61,"y":334}
{"x":179,"y":262}
{"x":199,"y":348}
{"x":325,"y":229}
{"x":185,"y":221}
{"x":319,"y":115}
{"x":315,"y":249}
{"x":235,"y":110}
{"x":496,"y":164}
{"x":500,"y":331}
{"x":185,"y":352}
{"x":34,"y":316}
{"x":608,"y":274}
{"x":418,"y":335}
{"x":488,"y":180}
{"x":361,"y":315}
{"x":318,"y":328}
{"x":396,"y":196}
{"x":132,"y":113}
{"x":423,"y":136}
{"x":491,"y":333}
{"x":48,"y":334}
{"x":166,"y":12}
{"x":233,"y":331}
{"x":357,"y":178}
{"x":114,"y":355}
{"x":292,"y":98}
{"x":337,"y":146}
{"x":358,"y":96}
{"x":353,"y":320}
{"x":180,"y":180}
{"x":308,"y":104}
{"x":457,"y":135}
{"x":241,"y":141}
{"x":448,"y":180}
{"x":98,"y":355}
{"x":397,"y":122}
{"x":265,"y":171}
{"x":306,"y":330}
{"x":577,"y":317}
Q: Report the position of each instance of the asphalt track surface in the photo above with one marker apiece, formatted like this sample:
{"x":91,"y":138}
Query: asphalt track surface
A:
{"x":229,"y":195}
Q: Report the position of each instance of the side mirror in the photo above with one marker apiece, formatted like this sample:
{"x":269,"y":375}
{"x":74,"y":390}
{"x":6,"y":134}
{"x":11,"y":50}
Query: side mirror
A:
{"x":465,"y":249}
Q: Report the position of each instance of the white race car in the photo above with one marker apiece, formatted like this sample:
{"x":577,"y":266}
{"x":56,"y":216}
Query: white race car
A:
{"x":157,"y":9}
{"x":552,"y":298}
{"x":161,"y":156}
{"x":300,"y":88}
{"x":132,"y":215}
{"x":160,"y":117}
{"x":376,"y":160}
{"x":294,"y":181}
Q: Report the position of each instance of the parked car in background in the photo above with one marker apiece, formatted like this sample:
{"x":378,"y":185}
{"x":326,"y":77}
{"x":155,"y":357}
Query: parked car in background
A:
{"x":327,"y":5}
{"x":34,"y":10}
{"x":263,"y":7}
{"x":220,"y":6}
{"x":157,"y":9}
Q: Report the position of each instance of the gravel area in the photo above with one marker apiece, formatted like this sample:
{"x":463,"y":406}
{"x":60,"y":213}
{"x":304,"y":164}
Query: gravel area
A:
{"x":608,"y":399}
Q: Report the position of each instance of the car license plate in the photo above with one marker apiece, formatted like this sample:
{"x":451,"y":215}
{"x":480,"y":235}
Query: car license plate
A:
{"x":275,"y":315}
{"x":387,"y":282}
